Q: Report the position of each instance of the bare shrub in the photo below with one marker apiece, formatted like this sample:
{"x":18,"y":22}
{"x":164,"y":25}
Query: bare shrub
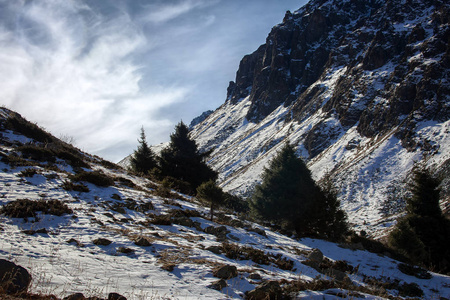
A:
{"x":25,"y":208}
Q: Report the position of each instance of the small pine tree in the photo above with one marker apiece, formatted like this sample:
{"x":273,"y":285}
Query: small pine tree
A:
{"x":182,"y":160}
{"x":143,"y":159}
{"x":210,"y":193}
{"x":422,"y":235}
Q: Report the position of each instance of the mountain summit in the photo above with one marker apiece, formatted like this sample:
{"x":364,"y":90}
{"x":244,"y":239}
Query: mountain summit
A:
{"x":361,"y":88}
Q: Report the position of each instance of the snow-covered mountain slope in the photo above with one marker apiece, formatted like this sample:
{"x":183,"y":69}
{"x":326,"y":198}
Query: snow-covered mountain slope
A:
{"x":360,"y":87}
{"x":124,"y":234}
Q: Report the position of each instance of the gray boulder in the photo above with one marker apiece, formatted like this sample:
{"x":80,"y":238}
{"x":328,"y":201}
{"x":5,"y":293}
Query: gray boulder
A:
{"x":225,"y":272}
{"x":13,"y":278}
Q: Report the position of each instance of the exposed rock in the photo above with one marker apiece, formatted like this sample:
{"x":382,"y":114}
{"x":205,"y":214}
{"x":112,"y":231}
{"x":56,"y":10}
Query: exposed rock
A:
{"x":183,"y":221}
{"x":33,"y":232}
{"x":255,"y":276}
{"x":225,"y":272}
{"x":220,"y":232}
{"x":337,"y":275}
{"x":258,"y":231}
{"x":372,"y":70}
{"x":115,"y":296}
{"x":101,"y":242}
{"x":316,"y":255}
{"x":13,"y":278}
{"x":76,"y":296}
{"x":75,"y":242}
{"x":214,"y":249}
{"x":142,"y":241}
{"x":266,"y":290}
{"x":200,"y":118}
{"x":218,"y":285}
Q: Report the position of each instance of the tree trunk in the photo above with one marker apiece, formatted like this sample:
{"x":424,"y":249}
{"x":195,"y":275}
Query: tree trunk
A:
{"x":212,"y":212}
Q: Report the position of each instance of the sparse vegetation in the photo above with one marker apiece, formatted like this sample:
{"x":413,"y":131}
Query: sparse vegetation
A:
{"x":18,"y":124}
{"x":29,"y":172}
{"x":95,"y":177}
{"x":76,"y":187}
{"x":25,"y":208}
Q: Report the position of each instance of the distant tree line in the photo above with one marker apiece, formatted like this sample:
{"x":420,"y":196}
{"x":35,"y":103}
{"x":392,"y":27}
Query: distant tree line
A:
{"x":287,"y":197}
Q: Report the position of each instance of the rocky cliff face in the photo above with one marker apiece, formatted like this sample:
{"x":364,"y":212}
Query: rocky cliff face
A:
{"x":361,"y":87}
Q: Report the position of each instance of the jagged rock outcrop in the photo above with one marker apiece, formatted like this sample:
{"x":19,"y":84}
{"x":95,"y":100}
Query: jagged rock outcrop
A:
{"x":360,"y":87}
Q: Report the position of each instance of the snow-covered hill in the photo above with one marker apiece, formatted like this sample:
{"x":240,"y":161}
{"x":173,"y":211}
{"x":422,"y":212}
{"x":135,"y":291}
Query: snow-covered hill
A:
{"x":361,"y":88}
{"x":125,"y":234}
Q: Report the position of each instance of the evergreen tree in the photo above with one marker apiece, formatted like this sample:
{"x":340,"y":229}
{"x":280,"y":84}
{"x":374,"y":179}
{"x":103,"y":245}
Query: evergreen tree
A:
{"x":286,"y":193}
{"x":143,"y":159}
{"x":326,"y":219}
{"x":210,"y":193}
{"x":182,"y":160}
{"x":289,"y":197}
{"x":422,"y":235}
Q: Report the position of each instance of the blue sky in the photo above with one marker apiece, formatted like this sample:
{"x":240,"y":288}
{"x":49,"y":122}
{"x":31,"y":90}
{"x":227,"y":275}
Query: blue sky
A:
{"x":96,"y":71}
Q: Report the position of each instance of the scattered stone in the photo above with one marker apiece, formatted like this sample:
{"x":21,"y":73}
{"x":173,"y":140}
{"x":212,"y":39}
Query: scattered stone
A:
{"x":76,"y":296}
{"x":414,"y":271}
{"x":197,"y":225}
{"x":142,"y":241}
{"x":183,"y":221}
{"x":234,"y":238}
{"x":316,"y":255}
{"x":101,"y":242}
{"x":214,"y":249}
{"x":258,"y":231}
{"x":168,"y":267}
{"x":225,"y":272}
{"x":337,"y":275}
{"x":266,"y":290}
{"x":236,"y":223}
{"x":75,"y":242}
{"x":42,"y":230}
{"x":13,"y":278}
{"x":352,"y":246}
{"x":125,"y":250}
{"x":115,"y":296}
{"x":116,"y":196}
{"x":217,"y":231}
{"x":109,"y":215}
{"x":218,"y":285}
{"x":255,"y":276}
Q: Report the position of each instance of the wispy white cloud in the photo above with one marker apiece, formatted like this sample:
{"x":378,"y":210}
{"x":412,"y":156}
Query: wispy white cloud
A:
{"x":99,"y":70}
{"x":168,"y":10}
{"x":73,"y":71}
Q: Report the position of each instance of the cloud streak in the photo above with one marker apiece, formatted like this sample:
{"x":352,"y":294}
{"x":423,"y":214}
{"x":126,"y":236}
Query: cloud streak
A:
{"x":98,"y":71}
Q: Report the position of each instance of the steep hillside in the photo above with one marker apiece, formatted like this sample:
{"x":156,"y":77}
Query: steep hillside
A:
{"x":80,"y":224}
{"x":360,"y":87}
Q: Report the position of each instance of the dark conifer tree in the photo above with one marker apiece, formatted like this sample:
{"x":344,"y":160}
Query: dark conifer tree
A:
{"x":423,"y":234}
{"x":143,"y":159}
{"x":182,"y":160}
{"x":289,"y":197}
{"x":286,"y":192}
